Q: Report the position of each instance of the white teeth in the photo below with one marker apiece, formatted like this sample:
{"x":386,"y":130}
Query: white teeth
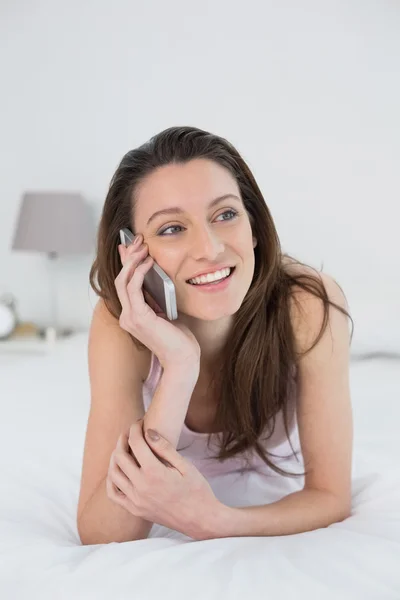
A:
{"x":211,"y":276}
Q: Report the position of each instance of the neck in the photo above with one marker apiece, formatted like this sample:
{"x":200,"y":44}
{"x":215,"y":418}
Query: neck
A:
{"x":211,"y":336}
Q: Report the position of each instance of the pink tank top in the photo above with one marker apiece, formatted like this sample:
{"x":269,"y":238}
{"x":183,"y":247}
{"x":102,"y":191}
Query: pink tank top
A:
{"x":193,"y":445}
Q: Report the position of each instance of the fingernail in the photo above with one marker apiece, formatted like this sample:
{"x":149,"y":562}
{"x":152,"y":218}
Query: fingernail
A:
{"x":136,"y":239}
{"x":153,"y":435}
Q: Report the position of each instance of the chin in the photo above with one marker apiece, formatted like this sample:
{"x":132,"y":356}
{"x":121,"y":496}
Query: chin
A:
{"x":211,"y":313}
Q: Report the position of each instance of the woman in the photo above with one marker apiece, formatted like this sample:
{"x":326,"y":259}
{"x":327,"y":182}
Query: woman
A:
{"x":251,"y":363}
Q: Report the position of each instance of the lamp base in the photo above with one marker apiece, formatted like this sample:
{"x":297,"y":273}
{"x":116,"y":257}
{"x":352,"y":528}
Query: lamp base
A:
{"x":51,"y":334}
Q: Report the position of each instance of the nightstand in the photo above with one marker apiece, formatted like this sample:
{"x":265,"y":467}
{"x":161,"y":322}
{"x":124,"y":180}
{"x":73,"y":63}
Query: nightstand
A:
{"x":27,"y":344}
{"x":28,"y":338}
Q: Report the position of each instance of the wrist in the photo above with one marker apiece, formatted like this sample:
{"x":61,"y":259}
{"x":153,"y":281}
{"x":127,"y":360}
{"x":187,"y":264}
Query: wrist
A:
{"x":184,"y":371}
{"x":218,"y":523}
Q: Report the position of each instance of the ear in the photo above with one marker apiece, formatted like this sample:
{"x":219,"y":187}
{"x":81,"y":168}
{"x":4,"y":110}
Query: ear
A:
{"x":254,"y":242}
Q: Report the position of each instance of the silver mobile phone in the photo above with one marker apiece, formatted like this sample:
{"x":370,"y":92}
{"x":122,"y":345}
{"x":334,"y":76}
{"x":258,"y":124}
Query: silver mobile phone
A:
{"x":156,"y":282}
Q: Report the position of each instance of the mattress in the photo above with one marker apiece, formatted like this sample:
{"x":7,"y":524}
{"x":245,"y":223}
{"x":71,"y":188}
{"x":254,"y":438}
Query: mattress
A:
{"x":44,"y":409}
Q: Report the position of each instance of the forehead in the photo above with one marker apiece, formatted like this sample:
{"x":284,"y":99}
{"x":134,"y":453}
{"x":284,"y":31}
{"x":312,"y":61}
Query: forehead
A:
{"x":190,"y":185}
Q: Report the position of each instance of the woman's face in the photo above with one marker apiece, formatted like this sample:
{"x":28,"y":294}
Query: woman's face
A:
{"x":198,"y":235}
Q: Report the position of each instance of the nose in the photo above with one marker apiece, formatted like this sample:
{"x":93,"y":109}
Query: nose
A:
{"x":206,"y":244}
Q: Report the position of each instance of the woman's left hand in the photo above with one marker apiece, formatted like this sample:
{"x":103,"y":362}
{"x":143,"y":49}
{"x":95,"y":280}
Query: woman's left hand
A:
{"x":172,"y":493}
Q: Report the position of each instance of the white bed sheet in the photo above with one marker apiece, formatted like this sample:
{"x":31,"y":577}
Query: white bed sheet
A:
{"x":44,"y":407}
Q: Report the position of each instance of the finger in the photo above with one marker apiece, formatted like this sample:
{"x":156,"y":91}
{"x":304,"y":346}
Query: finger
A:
{"x":140,"y":448}
{"x":111,"y":468}
{"x":131,"y":253}
{"x":164,"y":462}
{"x":135,"y":285}
{"x":153,"y":304}
{"x":116,"y":495}
{"x":129,"y":468}
{"x":126,"y":251}
{"x":122,"y":253}
{"x":120,"y":480}
{"x":166,"y":451}
{"x":112,"y":490}
{"x":123,"y":445}
{"x":126,"y":459}
{"x":126,"y":275}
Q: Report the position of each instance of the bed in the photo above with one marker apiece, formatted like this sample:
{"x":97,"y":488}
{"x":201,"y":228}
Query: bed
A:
{"x":44,"y":408}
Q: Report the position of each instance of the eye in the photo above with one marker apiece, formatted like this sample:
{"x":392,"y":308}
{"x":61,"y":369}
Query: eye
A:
{"x":233,"y":212}
{"x":163,"y":231}
{"x":166,"y":229}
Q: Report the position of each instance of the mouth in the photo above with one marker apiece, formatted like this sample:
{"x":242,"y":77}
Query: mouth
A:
{"x":209,"y":282}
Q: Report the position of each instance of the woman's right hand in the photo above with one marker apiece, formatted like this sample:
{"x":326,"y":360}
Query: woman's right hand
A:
{"x":172,"y":342}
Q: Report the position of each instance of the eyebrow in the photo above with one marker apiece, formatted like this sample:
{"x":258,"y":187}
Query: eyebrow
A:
{"x":178,"y":210}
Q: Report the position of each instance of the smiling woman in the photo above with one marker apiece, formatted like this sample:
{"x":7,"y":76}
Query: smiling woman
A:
{"x":256,"y":317}
{"x":194,"y":221}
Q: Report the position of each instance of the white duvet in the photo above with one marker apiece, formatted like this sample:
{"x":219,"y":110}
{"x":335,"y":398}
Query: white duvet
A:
{"x":44,"y":407}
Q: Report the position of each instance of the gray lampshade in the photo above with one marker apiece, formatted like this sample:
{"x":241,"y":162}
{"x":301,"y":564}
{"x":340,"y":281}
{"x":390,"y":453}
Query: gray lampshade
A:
{"x":59,"y":222}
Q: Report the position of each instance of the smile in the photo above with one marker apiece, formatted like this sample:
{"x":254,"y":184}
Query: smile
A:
{"x":211,"y":277}
{"x":218,"y":282}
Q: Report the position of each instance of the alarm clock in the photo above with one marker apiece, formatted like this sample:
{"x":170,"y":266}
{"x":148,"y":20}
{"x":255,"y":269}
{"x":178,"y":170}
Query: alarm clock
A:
{"x":8,"y":316}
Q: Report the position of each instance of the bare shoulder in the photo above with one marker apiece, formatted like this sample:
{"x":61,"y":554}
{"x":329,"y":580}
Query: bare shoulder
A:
{"x":307,"y":308}
{"x":332,"y":287}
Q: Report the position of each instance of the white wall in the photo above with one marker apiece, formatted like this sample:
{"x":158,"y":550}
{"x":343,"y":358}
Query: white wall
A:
{"x":308,"y":91}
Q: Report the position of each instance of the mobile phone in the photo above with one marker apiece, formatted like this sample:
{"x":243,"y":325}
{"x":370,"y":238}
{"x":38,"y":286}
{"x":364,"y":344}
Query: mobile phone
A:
{"x":156,"y":282}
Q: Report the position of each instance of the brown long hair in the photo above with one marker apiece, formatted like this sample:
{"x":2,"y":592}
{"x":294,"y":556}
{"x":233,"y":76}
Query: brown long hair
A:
{"x":260,"y":352}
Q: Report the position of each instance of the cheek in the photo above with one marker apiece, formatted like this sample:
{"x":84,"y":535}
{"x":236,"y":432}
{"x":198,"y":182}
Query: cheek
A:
{"x":245,"y":244}
{"x":168,"y":258}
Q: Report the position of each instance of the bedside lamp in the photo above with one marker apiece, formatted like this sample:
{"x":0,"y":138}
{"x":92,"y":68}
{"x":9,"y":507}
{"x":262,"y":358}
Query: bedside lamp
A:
{"x":54,"y":223}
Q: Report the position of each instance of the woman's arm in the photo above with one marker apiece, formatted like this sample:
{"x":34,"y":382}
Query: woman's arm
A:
{"x":103,"y":521}
{"x":301,"y":511}
{"x":325,"y":429}
{"x":168,"y":408}
{"x":116,"y":402}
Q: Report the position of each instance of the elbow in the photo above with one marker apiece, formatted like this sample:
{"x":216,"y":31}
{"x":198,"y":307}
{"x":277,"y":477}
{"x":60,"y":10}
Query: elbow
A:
{"x":91,"y":536}
{"x":345,"y":512}
{"x":345,"y":506}
{"x":87,"y":537}
{"x":335,"y":508}
{"x":342,"y":509}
